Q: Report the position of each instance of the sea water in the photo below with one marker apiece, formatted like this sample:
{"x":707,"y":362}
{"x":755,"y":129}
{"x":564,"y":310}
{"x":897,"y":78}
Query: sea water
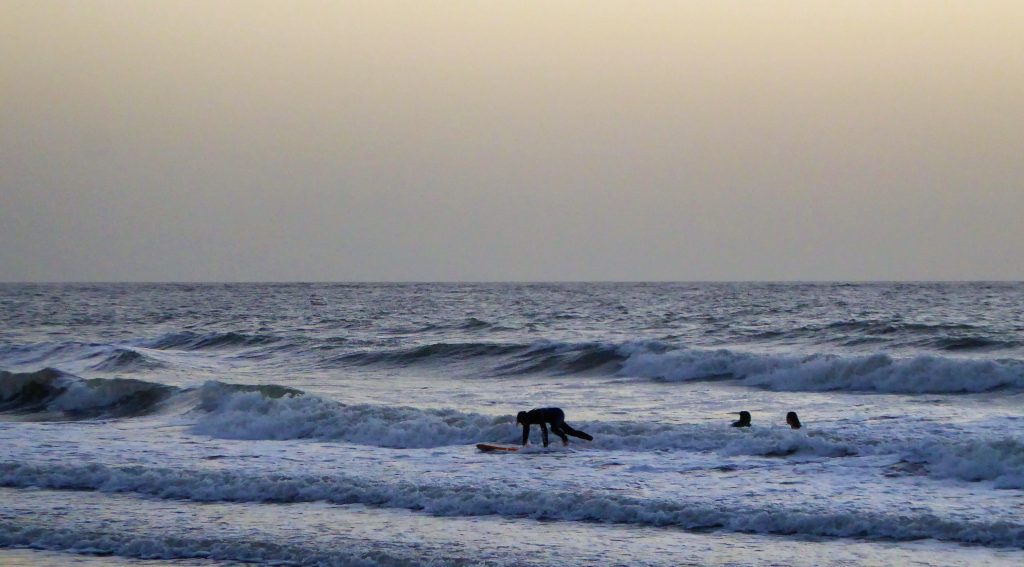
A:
{"x":334,"y":424}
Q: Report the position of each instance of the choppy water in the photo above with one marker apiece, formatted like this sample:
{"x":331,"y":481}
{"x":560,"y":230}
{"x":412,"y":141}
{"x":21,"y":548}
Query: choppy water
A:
{"x":335,"y":424}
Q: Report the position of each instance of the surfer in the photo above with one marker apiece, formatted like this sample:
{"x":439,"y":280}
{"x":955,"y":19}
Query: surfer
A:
{"x":744,"y":420}
{"x":793,"y":420}
{"x":544,"y":416}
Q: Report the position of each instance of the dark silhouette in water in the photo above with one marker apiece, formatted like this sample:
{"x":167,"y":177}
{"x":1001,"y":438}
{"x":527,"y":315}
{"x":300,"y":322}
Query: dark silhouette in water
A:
{"x":793,"y":420}
{"x":543,"y":416}
{"x":744,"y":420}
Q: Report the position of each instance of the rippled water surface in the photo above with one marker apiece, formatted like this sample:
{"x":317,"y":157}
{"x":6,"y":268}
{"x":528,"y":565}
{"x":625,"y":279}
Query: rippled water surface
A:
{"x":336,"y":423}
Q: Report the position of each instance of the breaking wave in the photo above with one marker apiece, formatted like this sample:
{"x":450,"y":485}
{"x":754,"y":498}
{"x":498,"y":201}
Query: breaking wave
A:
{"x":246,"y":412}
{"x":1000,"y":460}
{"x":570,"y":503}
{"x":252,"y":415}
{"x":275,"y":412}
{"x":499,"y":358}
{"x":922,"y":374}
{"x":647,"y":359}
{"x":65,"y":396}
{"x":235,"y":413}
{"x":27,"y":390}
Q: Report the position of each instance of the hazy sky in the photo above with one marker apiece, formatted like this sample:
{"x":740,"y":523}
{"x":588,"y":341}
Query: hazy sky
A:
{"x":547,"y":140}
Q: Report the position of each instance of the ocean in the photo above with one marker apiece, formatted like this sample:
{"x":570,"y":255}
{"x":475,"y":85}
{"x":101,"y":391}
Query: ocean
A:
{"x":335,"y":424}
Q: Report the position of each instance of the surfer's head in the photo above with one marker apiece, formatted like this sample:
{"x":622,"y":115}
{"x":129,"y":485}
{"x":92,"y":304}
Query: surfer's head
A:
{"x":744,"y":420}
{"x":793,"y":420}
{"x":521,"y":417}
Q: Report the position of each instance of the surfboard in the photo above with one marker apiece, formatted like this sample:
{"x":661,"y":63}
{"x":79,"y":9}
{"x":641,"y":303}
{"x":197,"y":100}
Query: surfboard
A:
{"x":488,"y":447}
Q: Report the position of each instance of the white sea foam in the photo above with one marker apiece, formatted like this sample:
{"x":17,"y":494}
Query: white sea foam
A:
{"x":548,"y":503}
{"x":234,"y":414}
{"x":252,"y":415}
{"x":278,"y":413}
{"x":769,"y":442}
{"x":988,"y":459}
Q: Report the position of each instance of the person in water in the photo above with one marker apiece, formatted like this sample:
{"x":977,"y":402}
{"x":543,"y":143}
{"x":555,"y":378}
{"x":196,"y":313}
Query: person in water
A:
{"x":544,"y":416}
{"x":793,"y":420}
{"x":744,"y":420}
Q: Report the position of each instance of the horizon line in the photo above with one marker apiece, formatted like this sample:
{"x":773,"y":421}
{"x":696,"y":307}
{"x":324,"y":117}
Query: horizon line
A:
{"x":525,"y":282}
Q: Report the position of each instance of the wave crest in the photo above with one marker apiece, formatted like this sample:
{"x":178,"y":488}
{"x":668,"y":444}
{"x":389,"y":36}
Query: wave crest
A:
{"x":70,"y":397}
{"x":251,"y":414}
{"x":874,"y":373}
{"x":189,"y":340}
{"x":126,"y":360}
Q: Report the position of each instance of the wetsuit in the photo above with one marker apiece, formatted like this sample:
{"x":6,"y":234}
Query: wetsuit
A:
{"x":744,"y":420}
{"x":793,"y":420}
{"x":544,"y":416}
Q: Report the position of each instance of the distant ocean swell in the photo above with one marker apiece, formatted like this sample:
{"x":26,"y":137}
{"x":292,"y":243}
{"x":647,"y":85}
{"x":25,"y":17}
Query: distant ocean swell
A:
{"x":274,"y":412}
{"x":94,"y":356}
{"x":188,"y":340}
{"x":546,"y":503}
{"x":895,"y":333}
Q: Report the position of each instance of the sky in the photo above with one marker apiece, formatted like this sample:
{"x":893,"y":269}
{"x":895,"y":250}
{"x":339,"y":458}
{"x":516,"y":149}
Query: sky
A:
{"x":527,"y":141}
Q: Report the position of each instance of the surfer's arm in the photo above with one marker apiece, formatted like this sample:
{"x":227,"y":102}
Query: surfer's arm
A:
{"x":544,"y":432}
{"x":526,"y":434}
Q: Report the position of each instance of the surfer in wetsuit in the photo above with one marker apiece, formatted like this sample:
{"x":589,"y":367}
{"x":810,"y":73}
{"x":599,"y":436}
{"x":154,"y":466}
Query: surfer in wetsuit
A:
{"x":544,"y":416}
{"x":744,"y":420}
{"x":793,"y":420}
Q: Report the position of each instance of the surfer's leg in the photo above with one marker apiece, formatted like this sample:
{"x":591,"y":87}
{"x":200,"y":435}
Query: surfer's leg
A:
{"x":544,"y":433}
{"x":557,"y":430}
{"x":575,"y":432}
